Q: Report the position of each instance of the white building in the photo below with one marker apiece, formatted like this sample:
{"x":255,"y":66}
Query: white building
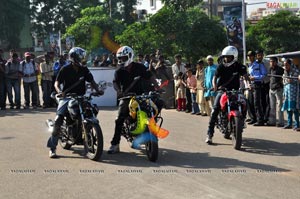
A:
{"x":148,"y":6}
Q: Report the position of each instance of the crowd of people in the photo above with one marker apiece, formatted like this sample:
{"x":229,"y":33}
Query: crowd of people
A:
{"x":271,"y":86}
{"x":31,"y":72}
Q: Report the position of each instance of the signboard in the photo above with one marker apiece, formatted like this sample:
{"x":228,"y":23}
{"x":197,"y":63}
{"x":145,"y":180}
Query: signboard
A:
{"x":279,"y":5}
{"x":234,"y":28}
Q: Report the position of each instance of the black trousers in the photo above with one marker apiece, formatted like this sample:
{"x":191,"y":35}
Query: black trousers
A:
{"x":123,"y":112}
{"x":266,"y":101}
{"x":250,"y":105}
{"x":258,"y":104}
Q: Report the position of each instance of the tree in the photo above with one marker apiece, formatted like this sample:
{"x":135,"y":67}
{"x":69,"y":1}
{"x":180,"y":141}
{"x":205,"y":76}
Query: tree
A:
{"x":120,"y":9}
{"x":275,"y":33}
{"x":140,"y":37}
{"x":13,"y":14}
{"x":191,"y":32}
{"x":181,"y":5}
{"x":205,"y":36}
{"x":53,"y":15}
{"x":90,"y":27}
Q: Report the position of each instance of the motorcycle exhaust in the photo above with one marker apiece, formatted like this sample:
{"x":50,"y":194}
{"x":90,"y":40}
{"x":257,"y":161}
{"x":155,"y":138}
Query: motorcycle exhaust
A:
{"x":50,"y":125}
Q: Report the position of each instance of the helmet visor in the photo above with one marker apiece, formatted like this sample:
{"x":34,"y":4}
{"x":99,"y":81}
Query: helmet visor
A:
{"x":123,"y":59}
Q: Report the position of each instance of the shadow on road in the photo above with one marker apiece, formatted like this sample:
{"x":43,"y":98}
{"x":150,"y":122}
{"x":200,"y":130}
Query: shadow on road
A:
{"x":268,"y":147}
{"x":173,"y":158}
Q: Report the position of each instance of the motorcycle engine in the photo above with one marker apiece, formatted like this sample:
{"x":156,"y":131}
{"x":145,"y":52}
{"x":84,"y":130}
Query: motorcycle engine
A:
{"x":73,"y":108}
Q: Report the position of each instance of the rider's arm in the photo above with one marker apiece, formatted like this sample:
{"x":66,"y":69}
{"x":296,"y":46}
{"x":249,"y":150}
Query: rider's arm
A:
{"x":57,"y":87}
{"x":96,"y":87}
{"x":214,"y":83}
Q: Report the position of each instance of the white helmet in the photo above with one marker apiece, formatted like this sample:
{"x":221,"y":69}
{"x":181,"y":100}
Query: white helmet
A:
{"x":230,"y":51}
{"x":125,"y":55}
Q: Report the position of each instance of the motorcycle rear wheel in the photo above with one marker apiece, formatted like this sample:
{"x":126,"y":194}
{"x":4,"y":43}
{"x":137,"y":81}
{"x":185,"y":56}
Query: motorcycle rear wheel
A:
{"x":236,"y":131}
{"x":93,"y":141}
{"x":152,"y":150}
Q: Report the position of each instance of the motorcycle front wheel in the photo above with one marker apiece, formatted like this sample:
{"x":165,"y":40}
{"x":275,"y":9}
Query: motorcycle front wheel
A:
{"x":152,"y":150}
{"x":64,"y":142}
{"x":93,"y":141}
{"x":236,"y":130}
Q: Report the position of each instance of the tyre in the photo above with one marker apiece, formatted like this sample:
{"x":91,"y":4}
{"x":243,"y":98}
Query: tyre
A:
{"x":152,"y":150}
{"x":237,"y":128}
{"x":93,"y":141}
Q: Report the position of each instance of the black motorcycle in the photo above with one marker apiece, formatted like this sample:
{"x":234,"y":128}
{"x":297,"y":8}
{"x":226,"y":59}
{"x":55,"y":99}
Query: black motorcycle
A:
{"x":143,"y":126}
{"x":80,"y":125}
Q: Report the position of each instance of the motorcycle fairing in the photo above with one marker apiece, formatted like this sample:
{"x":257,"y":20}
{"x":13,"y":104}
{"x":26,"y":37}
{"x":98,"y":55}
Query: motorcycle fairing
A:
{"x":143,"y":139}
{"x":223,"y":101}
{"x":142,"y":121}
{"x":234,"y":113}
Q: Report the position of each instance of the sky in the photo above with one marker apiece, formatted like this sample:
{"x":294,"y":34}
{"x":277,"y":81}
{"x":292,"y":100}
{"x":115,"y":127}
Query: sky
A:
{"x":263,"y":4}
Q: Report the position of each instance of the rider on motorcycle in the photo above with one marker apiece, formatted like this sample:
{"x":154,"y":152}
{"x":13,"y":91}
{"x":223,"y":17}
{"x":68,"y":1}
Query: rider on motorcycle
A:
{"x":72,"y":73}
{"x":126,"y":81}
{"x":227,"y":76}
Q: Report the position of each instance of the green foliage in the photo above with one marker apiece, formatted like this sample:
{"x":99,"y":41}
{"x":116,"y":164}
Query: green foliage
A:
{"x":140,"y":37}
{"x":89,"y":28}
{"x":181,"y":5}
{"x":275,"y":33}
{"x":12,"y":18}
{"x":53,"y":15}
{"x":191,"y":33}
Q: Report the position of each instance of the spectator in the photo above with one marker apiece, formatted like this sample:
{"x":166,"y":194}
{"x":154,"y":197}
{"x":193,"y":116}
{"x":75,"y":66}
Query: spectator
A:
{"x":202,"y":103}
{"x":13,"y":81}
{"x":290,"y":94}
{"x":47,"y":75}
{"x":250,"y":92}
{"x":152,"y":63}
{"x":180,"y":92}
{"x":188,"y":91}
{"x":147,"y":60}
{"x":209,"y":93}
{"x":105,"y":61}
{"x":29,"y":72}
{"x":2,"y":82}
{"x":140,"y":59}
{"x":192,"y":85}
{"x":257,"y":72}
{"x":265,"y":86}
{"x":276,"y":92}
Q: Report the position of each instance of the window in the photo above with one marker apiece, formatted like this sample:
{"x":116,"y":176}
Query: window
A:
{"x":153,"y":4}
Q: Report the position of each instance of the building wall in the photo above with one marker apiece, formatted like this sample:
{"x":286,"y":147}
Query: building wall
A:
{"x":152,"y":6}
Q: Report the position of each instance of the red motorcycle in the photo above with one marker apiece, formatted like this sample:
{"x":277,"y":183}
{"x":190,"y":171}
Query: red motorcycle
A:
{"x":232,"y":115}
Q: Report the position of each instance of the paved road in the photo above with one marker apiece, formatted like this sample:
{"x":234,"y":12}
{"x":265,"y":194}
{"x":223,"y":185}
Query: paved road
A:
{"x":267,"y":167}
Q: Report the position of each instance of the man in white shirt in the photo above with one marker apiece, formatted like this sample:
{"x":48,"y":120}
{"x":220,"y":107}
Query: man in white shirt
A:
{"x":29,"y":71}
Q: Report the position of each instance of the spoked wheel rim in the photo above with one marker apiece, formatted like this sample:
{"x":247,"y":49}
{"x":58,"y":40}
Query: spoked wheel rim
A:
{"x":93,"y":141}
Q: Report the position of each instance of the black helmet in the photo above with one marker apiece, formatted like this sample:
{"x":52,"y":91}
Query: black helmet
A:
{"x":76,"y":54}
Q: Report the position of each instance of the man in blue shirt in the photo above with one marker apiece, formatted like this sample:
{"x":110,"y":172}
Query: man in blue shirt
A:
{"x":257,"y":72}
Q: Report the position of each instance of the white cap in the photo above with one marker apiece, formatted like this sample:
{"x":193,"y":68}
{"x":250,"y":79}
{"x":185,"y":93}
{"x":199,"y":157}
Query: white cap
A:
{"x":209,"y":57}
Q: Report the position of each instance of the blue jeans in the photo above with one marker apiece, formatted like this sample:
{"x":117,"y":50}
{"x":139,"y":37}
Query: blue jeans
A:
{"x":30,"y":87}
{"x":290,"y":118}
{"x":195,"y":107}
{"x":13,"y":84}
{"x":60,"y":113}
{"x":46,"y":88}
